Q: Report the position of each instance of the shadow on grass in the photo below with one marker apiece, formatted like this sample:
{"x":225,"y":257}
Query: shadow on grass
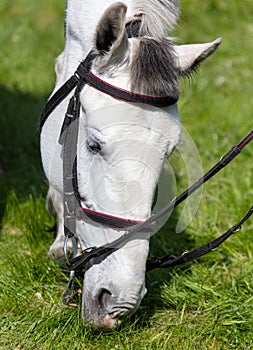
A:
{"x":20,"y":165}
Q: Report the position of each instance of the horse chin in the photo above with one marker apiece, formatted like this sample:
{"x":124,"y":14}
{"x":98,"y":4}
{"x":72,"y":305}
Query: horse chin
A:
{"x":110,"y":322}
{"x":107,"y":324}
{"x":106,"y":320}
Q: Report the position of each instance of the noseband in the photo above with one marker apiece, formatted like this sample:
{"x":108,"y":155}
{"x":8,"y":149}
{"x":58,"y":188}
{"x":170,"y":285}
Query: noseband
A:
{"x":73,"y":209}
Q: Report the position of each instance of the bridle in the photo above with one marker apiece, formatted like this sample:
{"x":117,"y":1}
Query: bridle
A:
{"x":69,"y":138}
{"x":80,"y":262}
{"x":73,"y":209}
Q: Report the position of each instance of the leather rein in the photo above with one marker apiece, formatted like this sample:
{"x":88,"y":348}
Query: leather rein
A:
{"x":73,"y":209}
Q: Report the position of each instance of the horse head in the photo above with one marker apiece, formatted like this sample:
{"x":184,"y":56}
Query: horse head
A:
{"x":121,"y":150}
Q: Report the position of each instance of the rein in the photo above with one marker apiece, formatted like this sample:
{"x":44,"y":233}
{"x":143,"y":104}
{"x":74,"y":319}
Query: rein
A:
{"x":69,"y":139}
{"x":80,"y":262}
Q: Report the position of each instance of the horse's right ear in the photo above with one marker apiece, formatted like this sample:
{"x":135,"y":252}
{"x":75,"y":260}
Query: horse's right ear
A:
{"x":191,"y":56}
{"x":111,"y":33}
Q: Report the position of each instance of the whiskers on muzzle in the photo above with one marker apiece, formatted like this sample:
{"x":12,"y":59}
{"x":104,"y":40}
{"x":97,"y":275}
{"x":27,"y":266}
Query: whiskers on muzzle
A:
{"x":123,"y":310}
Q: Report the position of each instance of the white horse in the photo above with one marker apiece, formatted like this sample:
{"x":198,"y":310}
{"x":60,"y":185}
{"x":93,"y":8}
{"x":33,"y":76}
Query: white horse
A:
{"x":122,"y":146}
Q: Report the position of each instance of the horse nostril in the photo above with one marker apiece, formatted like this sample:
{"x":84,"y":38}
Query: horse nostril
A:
{"x":104,"y":298}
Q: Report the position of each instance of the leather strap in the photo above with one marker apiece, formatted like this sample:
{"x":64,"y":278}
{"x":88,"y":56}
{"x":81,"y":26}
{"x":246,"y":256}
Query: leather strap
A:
{"x":79,"y":263}
{"x":64,"y":91}
{"x":83,"y":73}
{"x":69,"y":138}
{"x":171,"y":261}
{"x":132,"y":232}
{"x":106,"y":219}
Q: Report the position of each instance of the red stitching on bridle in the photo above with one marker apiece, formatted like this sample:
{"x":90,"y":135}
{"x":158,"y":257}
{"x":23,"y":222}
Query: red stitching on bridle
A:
{"x":110,"y":220}
{"x":115,"y":92}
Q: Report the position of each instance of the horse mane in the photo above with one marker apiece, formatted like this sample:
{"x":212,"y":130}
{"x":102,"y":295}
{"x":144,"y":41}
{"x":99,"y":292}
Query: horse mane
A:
{"x":154,"y":70}
{"x":157,"y":16}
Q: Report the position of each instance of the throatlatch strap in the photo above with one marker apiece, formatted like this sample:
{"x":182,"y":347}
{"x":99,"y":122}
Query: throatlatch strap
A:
{"x":57,"y":98}
{"x":64,"y":90}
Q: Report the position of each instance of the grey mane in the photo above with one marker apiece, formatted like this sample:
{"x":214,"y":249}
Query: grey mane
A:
{"x":154,"y":70}
{"x":157,"y":16}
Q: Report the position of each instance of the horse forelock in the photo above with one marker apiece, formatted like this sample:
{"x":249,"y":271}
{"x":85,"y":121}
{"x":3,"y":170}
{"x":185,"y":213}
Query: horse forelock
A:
{"x":154,"y":70}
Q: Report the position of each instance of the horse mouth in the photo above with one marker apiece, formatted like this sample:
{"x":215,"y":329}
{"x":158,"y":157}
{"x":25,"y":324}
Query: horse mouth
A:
{"x":108,"y":318}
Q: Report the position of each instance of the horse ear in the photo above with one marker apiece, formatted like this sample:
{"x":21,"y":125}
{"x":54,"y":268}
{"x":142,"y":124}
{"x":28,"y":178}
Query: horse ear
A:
{"x":191,"y":56}
{"x":111,"y":33}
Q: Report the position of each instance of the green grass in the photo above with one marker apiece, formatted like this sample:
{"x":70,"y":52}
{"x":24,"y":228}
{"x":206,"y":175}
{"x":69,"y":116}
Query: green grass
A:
{"x":207,"y":304}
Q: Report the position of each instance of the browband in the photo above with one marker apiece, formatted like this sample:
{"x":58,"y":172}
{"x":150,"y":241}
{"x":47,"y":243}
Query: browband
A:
{"x":84,"y":76}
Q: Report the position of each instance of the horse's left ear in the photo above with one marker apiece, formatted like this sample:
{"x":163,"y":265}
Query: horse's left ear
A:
{"x":111,"y":37}
{"x":189,"y":57}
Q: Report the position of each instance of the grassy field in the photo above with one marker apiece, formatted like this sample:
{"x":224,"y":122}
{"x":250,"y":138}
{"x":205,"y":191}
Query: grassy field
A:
{"x":207,"y":304}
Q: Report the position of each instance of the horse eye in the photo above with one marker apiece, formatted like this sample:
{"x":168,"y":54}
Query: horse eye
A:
{"x":93,"y":147}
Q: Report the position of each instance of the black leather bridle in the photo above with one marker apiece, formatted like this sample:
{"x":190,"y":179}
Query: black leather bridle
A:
{"x":72,"y":201}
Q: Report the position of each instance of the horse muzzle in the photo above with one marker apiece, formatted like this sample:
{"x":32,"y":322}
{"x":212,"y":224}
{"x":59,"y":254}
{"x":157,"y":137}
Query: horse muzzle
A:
{"x":107,"y":311}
